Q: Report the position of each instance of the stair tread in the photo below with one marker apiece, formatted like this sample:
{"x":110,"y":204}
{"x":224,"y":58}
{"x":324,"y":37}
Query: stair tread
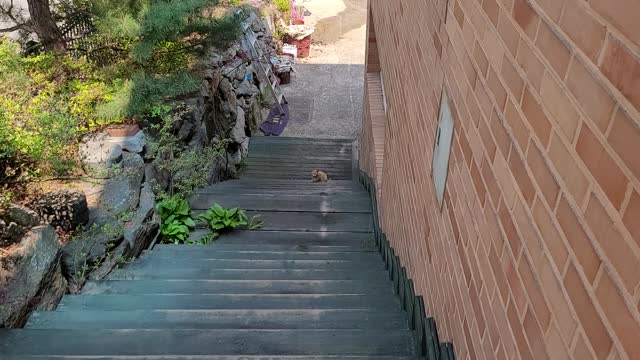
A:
{"x":205,"y":342}
{"x":234,"y":287}
{"x":248,"y":274}
{"x":218,"y":319}
{"x":285,"y":203}
{"x":219,"y":246}
{"x":372,"y":263}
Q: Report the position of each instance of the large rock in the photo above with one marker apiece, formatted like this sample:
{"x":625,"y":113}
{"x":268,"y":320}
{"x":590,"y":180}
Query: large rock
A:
{"x":238,"y":133}
{"x":143,"y":226}
{"x":122,"y":193}
{"x":100,"y":157}
{"x":133,"y":144}
{"x":64,"y":209}
{"x":87,"y":249}
{"x":23,"y":216}
{"x":30,"y":277}
{"x":10,"y":233}
{"x":247,"y":89}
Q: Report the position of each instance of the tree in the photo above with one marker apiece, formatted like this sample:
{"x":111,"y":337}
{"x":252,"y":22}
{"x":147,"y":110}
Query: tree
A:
{"x":40,"y":20}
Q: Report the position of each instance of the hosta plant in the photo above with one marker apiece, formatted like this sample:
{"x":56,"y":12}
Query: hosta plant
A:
{"x":220,"y":220}
{"x":175,"y":220}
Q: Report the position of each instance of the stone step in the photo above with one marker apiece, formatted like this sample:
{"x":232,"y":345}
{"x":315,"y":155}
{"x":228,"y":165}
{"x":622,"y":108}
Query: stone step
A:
{"x":318,"y":238}
{"x":290,"y":203}
{"x":133,"y":287}
{"x":248,"y":274}
{"x":295,"y":174}
{"x":218,"y":319}
{"x":182,"y":263}
{"x":309,"y":221}
{"x":214,"y":357}
{"x":318,"y":189}
{"x":206,"y":342}
{"x":383,"y":302}
{"x":162,"y":253}
{"x":220,"y":245}
{"x":298,"y":140}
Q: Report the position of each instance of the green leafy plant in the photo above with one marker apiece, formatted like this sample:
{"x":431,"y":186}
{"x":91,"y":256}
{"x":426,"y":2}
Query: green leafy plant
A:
{"x":175,"y":222}
{"x":220,"y":220}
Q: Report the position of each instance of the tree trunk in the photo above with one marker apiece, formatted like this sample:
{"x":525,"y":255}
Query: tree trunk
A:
{"x":45,"y":26}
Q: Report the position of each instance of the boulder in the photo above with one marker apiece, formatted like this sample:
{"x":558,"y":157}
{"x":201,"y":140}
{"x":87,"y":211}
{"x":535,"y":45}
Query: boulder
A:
{"x":87,"y":249}
{"x":122,"y":193}
{"x":246,"y":89}
{"x":10,"y":233}
{"x":23,"y":216}
{"x":238,"y":133}
{"x":158,"y":178}
{"x":143,"y":226}
{"x":63,"y":209}
{"x":100,"y":158}
{"x":133,"y":144}
{"x":30,"y":277}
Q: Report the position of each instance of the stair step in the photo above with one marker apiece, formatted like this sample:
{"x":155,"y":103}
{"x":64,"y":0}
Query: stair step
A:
{"x":220,"y":246}
{"x":291,"y":203}
{"x":297,"y":140}
{"x":235,"y":287}
{"x":318,"y":238}
{"x":289,"y":175}
{"x":248,"y":274}
{"x":218,"y":319}
{"x":160,"y":253}
{"x":372,"y":264}
{"x":206,"y":342}
{"x":216,"y":357}
{"x":306,"y":221}
{"x":319,"y":190}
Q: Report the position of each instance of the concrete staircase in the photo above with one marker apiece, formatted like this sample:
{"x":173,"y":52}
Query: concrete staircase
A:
{"x":308,"y":285}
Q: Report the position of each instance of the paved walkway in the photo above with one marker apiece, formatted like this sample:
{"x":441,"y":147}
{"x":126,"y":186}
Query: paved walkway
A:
{"x":325,"y":93}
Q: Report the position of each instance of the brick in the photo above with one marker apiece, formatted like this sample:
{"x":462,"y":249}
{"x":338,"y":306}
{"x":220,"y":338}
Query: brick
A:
{"x":496,"y":126}
{"x":457,"y":13}
{"x":622,"y":14}
{"x":484,"y":101}
{"x":491,"y":8}
{"x":542,"y":174}
{"x":553,"y":49}
{"x":602,"y":166}
{"x":583,"y":28}
{"x":512,"y":78}
{"x":493,"y":48}
{"x":517,"y":124}
{"x":587,"y":313}
{"x":552,"y":287}
{"x":578,"y":239}
{"x":624,"y":139}
{"x":508,"y":32}
{"x":581,"y":349}
{"x":618,"y":314}
{"x":552,"y":8}
{"x":550,"y":234}
{"x":632,"y":216}
{"x":486,"y":139}
{"x":530,"y":63}
{"x":623,"y":70}
{"x":536,"y":117}
{"x":615,"y":247}
{"x":556,"y":347}
{"x":532,"y":287}
{"x":528,"y":233}
{"x":517,"y":329}
{"x":505,"y":179}
{"x":534,"y":336}
{"x":523,"y":180}
{"x":481,"y":59}
{"x":563,"y":111}
{"x":566,"y":165}
{"x":497,"y":89}
{"x":592,"y":97}
{"x":515,"y":244}
{"x":525,"y":17}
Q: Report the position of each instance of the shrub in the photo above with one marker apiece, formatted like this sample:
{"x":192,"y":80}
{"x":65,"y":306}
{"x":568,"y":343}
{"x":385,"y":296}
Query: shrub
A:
{"x":220,"y":220}
{"x":283,"y":6}
{"x":46,"y":103}
{"x":175,"y":222}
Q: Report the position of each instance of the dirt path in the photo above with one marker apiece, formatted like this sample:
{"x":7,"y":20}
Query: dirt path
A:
{"x":325,"y":94}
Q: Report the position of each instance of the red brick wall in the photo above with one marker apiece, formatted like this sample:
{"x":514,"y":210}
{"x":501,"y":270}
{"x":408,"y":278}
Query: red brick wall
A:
{"x":536,"y":252}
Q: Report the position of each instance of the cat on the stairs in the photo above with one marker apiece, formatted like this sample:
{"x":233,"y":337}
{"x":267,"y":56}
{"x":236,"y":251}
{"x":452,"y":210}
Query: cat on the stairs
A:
{"x":319,"y":176}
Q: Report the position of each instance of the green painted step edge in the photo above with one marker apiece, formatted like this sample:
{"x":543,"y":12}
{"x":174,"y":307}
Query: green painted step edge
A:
{"x":427,"y":341}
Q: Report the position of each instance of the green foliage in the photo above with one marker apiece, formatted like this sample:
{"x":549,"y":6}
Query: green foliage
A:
{"x":47,"y":102}
{"x":188,"y":168}
{"x":283,"y":6}
{"x":220,"y":220}
{"x":175,"y":220}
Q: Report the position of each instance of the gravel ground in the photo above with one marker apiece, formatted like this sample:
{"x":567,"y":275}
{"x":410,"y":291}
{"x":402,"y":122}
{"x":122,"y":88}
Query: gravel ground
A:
{"x":325,"y":94}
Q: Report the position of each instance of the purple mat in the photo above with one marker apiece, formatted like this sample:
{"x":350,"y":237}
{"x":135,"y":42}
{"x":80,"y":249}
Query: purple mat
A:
{"x":272,"y":128}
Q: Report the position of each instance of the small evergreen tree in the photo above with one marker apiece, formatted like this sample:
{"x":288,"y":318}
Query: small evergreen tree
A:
{"x":160,"y":42}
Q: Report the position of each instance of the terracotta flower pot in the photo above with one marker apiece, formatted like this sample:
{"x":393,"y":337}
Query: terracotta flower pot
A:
{"x":123,"y":130}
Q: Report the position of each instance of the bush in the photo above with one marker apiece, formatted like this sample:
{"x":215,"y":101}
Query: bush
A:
{"x":283,"y":6}
{"x":46,"y":103}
